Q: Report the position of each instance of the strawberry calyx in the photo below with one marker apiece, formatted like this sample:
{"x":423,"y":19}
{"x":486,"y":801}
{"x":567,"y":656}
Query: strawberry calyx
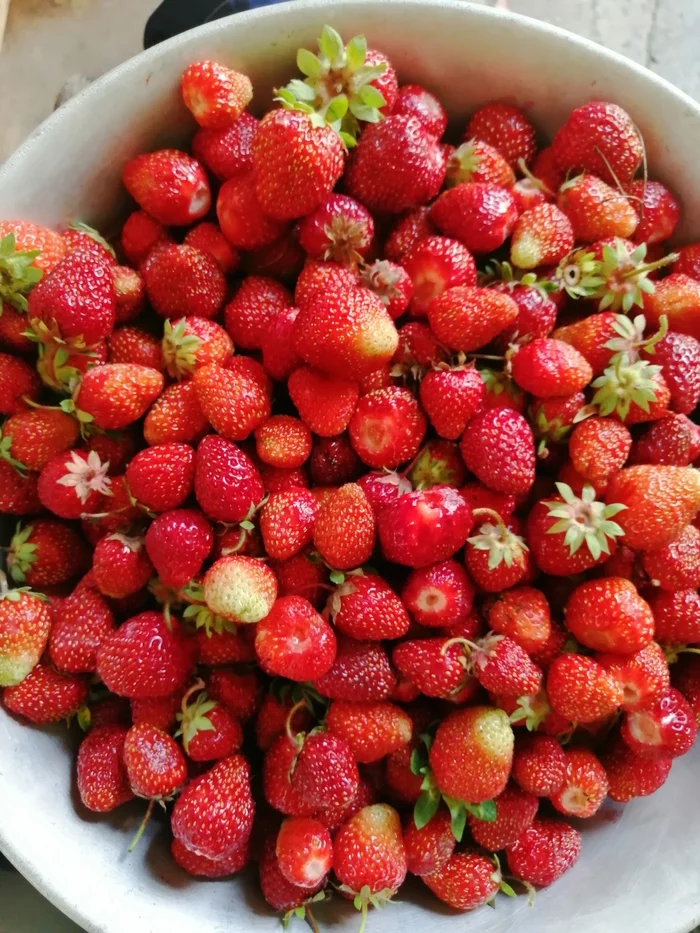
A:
{"x":531,"y":711}
{"x":626,"y":382}
{"x":429,"y":469}
{"x":498,"y":382}
{"x":497,"y":271}
{"x":17,"y":274}
{"x":180,"y":349}
{"x":95,"y":235}
{"x":631,"y":337}
{"x":345,"y":240}
{"x":462,"y":164}
{"x":303,"y":912}
{"x":21,"y":553}
{"x":584,"y":521}
{"x":283,"y":690}
{"x":193,"y":716}
{"x":381,"y":277}
{"x":365,"y":898}
{"x":15,"y":594}
{"x":337,"y":85}
{"x":626,"y":276}
{"x":503,"y":545}
{"x":497,"y":878}
{"x":6,"y":454}
{"x":201,"y":615}
{"x":578,"y":274}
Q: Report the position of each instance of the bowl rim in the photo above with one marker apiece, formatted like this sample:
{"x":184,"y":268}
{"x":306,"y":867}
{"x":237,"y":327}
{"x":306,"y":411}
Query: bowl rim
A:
{"x":150,"y":58}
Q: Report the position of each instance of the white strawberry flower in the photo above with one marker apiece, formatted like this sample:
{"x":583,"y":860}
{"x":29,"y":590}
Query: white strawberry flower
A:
{"x":86,"y":475}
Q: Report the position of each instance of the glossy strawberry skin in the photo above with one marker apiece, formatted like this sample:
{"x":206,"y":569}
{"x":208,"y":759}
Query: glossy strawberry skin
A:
{"x":294,"y":641}
{"x":223,"y":500}
{"x":662,"y":726}
{"x":361,"y":671}
{"x":539,"y":765}
{"x":102,"y":779}
{"x":544,"y":852}
{"x":505,"y":128}
{"x":369,"y":850}
{"x":169,"y":185}
{"x":46,"y":696}
{"x":424,"y":527}
{"x":599,"y":137}
{"x":387,"y":427}
{"x":480,"y":215}
{"x":498,"y":447}
{"x":581,"y":690}
{"x":631,"y":775}
{"x":515,"y":812}
{"x":372,"y":730}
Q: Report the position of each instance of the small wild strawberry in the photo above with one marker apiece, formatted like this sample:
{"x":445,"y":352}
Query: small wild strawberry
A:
{"x":295,"y":641}
{"x":216,"y":95}
{"x":169,"y":185}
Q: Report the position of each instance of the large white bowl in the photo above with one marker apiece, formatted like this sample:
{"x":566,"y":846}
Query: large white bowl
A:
{"x":640,"y":865}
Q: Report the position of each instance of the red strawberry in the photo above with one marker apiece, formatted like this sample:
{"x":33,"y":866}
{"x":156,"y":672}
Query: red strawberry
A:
{"x":467,"y":318}
{"x":161,"y":478}
{"x":228,"y":501}
{"x":387,"y":427}
{"x":333,"y":462}
{"x":233,"y":402}
{"x":31,"y":438}
{"x":497,"y":557}
{"x":372,"y":730}
{"x":439,"y":595}
{"x":140,"y":234}
{"x":472,"y":753}
{"x":539,"y":765}
{"x":504,"y":668}
{"x":466,"y":881}
{"x":641,"y":675}
{"x":241,"y":218}
{"x":175,"y":416}
{"x":596,"y":210}
{"x":542,"y":236}
{"x":77,"y":298}
{"x":170,"y":185}
{"x":677,"y":296}
{"x":46,"y":553}
{"x":120,"y":566}
{"x":317,"y":278}
{"x":679,"y":355}
{"x":324,"y":403}
{"x":276,"y":479}
{"x":581,"y":690}
{"x":228,"y":151}
{"x":477,"y":161}
{"x":522,"y":613}
{"x":278,"y":789}
{"x":585,"y":785}
{"x":84,"y":621}
{"x":390,"y":283}
{"x":505,"y":128}
{"x":407,"y":232}
{"x":663,"y":726}
{"x":536,"y":313}
{"x":599,"y":137}
{"x":435,"y":667}
{"x":631,"y":775}
{"x":117,"y":394}
{"x":498,"y":447}
{"x":340,"y":229}
{"x":451,"y":396}
{"x":46,"y":695}
{"x":103,"y":783}
{"x":325,"y":773}
{"x":414,"y":101}
{"x":208,"y":238}
{"x":241,"y":589}
{"x":424,"y":527}
{"x":133,"y":345}
{"x":348,"y":334}
{"x":369,"y":857}
{"x":178,"y":542}
{"x":129,"y":293}
{"x":258,"y":301}
{"x":283,"y":441}
{"x":182,"y":280}
{"x":304,"y":851}
{"x":279,"y":893}
{"x":224,"y":647}
{"x":480,"y":215}
{"x":364,"y":607}
{"x":417,"y":347}
{"x":609,"y":615}
{"x":202,"y":867}
{"x":18,"y":494}
{"x":192,"y":342}
{"x":154,"y":762}
{"x":677,"y":565}
{"x":216,"y":95}
{"x":544,"y":852}
{"x":547,"y":368}
{"x":280,"y":359}
{"x":294,"y":641}
{"x":73,"y":484}
{"x":660,"y":501}
{"x":676,"y":616}
{"x":397,"y":165}
{"x":209,"y":731}
{"x":270,"y":722}
{"x":48,"y":246}
{"x":239,"y":693}
{"x":598,"y":448}
{"x":344,"y":532}
{"x":436,"y":263}
{"x":214,"y":814}
{"x":430,"y":847}
{"x":659,"y":211}
{"x":673,"y":440}
{"x":287,"y":521}
{"x":144,"y":658}
{"x":515,"y":812}
{"x":361,"y":671}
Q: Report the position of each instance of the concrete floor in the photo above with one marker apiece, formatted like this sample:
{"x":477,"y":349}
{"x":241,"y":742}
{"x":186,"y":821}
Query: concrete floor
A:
{"x":47,"y":41}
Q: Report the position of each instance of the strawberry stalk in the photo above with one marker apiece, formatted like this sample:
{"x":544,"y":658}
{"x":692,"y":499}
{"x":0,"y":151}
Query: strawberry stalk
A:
{"x":142,"y":828}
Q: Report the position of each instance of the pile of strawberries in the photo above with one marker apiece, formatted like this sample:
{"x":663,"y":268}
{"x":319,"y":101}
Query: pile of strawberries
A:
{"x":368,"y":513}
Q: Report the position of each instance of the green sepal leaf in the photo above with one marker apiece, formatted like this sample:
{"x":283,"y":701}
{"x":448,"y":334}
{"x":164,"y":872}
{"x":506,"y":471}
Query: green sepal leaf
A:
{"x":485,"y":811}
{"x":309,"y":64}
{"x":331,"y":45}
{"x":426,"y":807}
{"x":371,"y":96}
{"x":506,"y":889}
{"x":458,"y":816}
{"x":356,"y":52}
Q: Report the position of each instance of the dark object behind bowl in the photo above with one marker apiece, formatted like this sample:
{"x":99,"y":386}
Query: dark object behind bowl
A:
{"x":175,"y":16}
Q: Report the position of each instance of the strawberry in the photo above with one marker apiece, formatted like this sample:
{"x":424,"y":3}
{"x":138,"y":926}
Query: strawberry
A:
{"x":515,"y":812}
{"x":241,"y":589}
{"x":631,"y":775}
{"x":276,"y":479}
{"x":412,"y":100}
{"x":424,"y":527}
{"x":325,"y":773}
{"x":451,"y":396}
{"x":397,"y":165}
{"x":216,"y":95}
{"x":663,"y":726}
{"x":677,"y":565}
{"x":239,"y":693}
{"x":278,"y":789}
{"x":283,"y":441}
{"x":144,"y":658}
{"x":585,"y":785}
{"x":120,"y":566}
{"x":344,"y":532}
{"x":257,"y":302}
{"x":214,"y":814}
{"x":550,"y":368}
{"x":299,"y":576}
{"x":161,"y":478}
{"x":387,"y":427}
{"x":280,"y":359}
{"x":569,"y":534}
{"x":504,"y":668}
{"x":660,"y":501}
{"x":45,"y":553}
{"x":175,"y":416}
{"x":364,"y":607}
{"x":599,"y":137}
{"x":480,"y":215}
{"x":543,"y":235}
{"x":46,"y":695}
{"x":281,"y":894}
{"x":227,"y":151}
{"x":435,"y":667}
{"x":140,"y":234}
{"x":270,"y":722}
{"x":369,"y":857}
{"x":676,"y":618}
{"x":183,"y":280}
{"x":685,"y":680}
{"x":168,"y":184}
{"x":304,"y":851}
{"x":596,"y":210}
{"x":372,"y":730}
{"x":408,"y":230}
{"x":78,"y":630}
{"x":294,"y":641}
{"x":472,"y":753}
{"x":505,"y":128}
{"x":340,"y":229}
{"x":318,"y":278}
{"x":539,"y":765}
{"x":133,"y":345}
{"x":224,"y":647}
{"x":227,"y":484}
{"x":477,"y":161}
{"x":609,"y":615}
{"x":390,"y":283}
{"x":192,"y":342}
{"x":434,"y":264}
{"x":209,"y":731}
{"x":202,"y":867}
{"x":208,"y":238}
{"x":48,"y":246}
{"x":431,"y":846}
{"x":287,"y":521}
{"x":18,"y":381}
{"x":361,"y":671}
{"x":590,"y":337}
{"x":117,"y":394}
{"x":598,"y":448}
{"x":103,"y":783}
{"x":13,"y":330}
{"x":333,"y":461}
{"x":466,"y":881}
{"x":418,"y":348}
{"x":536,"y":313}
{"x":178,"y":542}
{"x":155,"y":765}
{"x":679,"y":355}
{"x":73,"y":483}
{"x":498,"y":447}
{"x":241,"y":218}
{"x":581,"y":690}
{"x":659,"y":210}
{"x":466,"y":318}
{"x":325,"y":403}
{"x":233,"y":402}
{"x":439,"y":595}
{"x":439,"y":463}
{"x":544,"y":852}
{"x":522,"y":614}
{"x":641,"y":675}
{"x":129,"y":293}
{"x":347,"y":334}
{"x":497,"y":556}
